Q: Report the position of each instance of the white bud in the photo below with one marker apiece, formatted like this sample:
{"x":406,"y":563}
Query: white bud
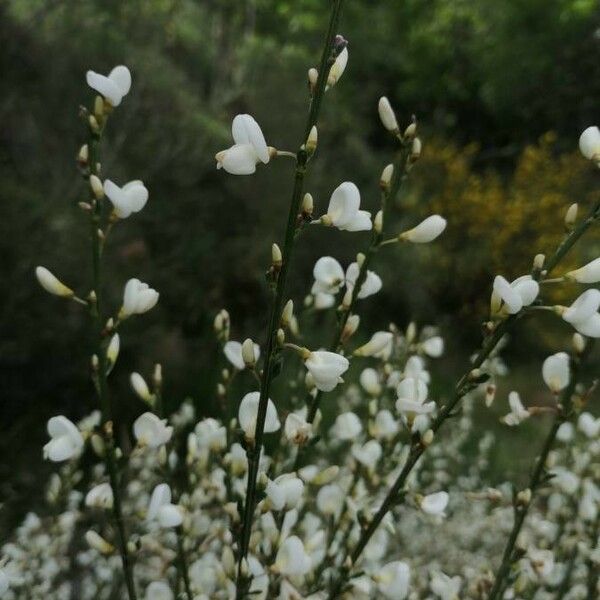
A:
{"x":538,"y":261}
{"x":140,"y":387}
{"x":276,"y":257}
{"x":387,"y":115}
{"x":307,"y":204}
{"x":311,"y":142}
{"x":112,"y":352}
{"x":96,"y":186}
{"x":288,"y":313}
{"x":378,"y":222}
{"x":386,"y":177}
{"x":248,"y":354}
{"x":97,"y":542}
{"x":313,"y":76}
{"x":579,"y":343}
{"x":589,"y":143}
{"x":571,"y":215}
{"x":415,"y":151}
{"x":52,"y":284}
{"x":426,"y":231}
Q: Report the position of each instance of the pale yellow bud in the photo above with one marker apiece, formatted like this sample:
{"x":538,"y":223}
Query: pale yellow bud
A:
{"x":52,"y":284}
{"x":311,"y":142}
{"x":83,"y":155}
{"x":97,"y":542}
{"x":410,"y":131}
{"x":96,"y":186}
{"x":415,"y":151}
{"x":307,"y":205}
{"x":579,"y":343}
{"x":276,"y":257}
{"x":427,"y":437}
{"x":248,"y":355}
{"x":538,"y":262}
{"x":288,"y":313}
{"x":386,"y":177}
{"x":571,"y":215}
{"x":378,"y":222}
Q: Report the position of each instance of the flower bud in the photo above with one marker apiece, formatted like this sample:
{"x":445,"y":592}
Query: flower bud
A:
{"x":112,"y":352}
{"x":288,"y":313}
{"x":427,"y":438}
{"x":524,"y":497}
{"x":140,"y":387}
{"x":307,"y":205}
{"x":350,"y":327}
{"x":571,"y":215}
{"x":276,"y":257}
{"x":52,"y":284}
{"x":387,"y":115}
{"x":579,"y":343}
{"x":280,"y":337}
{"x":97,"y":542}
{"x":97,"y":187}
{"x":426,"y":231}
{"x":378,"y":222}
{"x":248,"y":354}
{"x":311,"y":142}
{"x":83,"y":155}
{"x":538,"y":262}
{"x":157,"y":375}
{"x":386,"y":177}
{"x":99,"y":107}
{"x":313,"y":76}
{"x":415,"y":151}
{"x":410,"y":131}
{"x":94,"y":124}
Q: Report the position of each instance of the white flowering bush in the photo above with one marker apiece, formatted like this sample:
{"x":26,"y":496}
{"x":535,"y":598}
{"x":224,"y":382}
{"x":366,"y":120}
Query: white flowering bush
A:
{"x":340,"y":482}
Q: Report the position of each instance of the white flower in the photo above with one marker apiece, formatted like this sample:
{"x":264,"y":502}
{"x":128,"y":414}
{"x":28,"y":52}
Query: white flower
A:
{"x":412,"y":396}
{"x":588,"y":425}
{"x":518,"y":413}
{"x":53,"y":285}
{"x":161,"y":509}
{"x":130,"y":198}
{"x":521,"y":292}
{"x":338,"y":68}
{"x":100,"y":496}
{"x":387,"y":115}
{"x":291,"y":488}
{"x":380,"y":345}
{"x":344,"y":211}
{"x":565,"y":432}
{"x":66,"y":441}
{"x":151,"y":431}
{"x":248,"y":413}
{"x":329,"y":276}
{"x":368,"y":454}
{"x":445,"y":587}
{"x":589,"y":273}
{"x":114,"y":87}
{"x":326,"y":368}
{"x":384,"y":426}
{"x":324,"y":301}
{"x":564,"y":479}
{"x":138,"y":298}
{"x":297,"y":430}
{"x":248,"y":150}
{"x":330,"y":499}
{"x":415,"y":368}
{"x":434,"y":504}
{"x":97,"y":542}
{"x":233,"y":352}
{"x":589,"y":143}
{"x":211,"y":434}
{"x":583,"y":313}
{"x":159,"y":590}
{"x":347,"y":426}
{"x":393,"y":580}
{"x":292,"y":560}
{"x":433,"y":347}
{"x":371,"y":285}
{"x":369,"y":380}
{"x":426,"y":231}
{"x":556,"y":371}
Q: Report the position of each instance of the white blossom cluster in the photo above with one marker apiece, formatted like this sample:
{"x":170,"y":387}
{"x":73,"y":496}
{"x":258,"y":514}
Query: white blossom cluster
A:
{"x":167,"y":517}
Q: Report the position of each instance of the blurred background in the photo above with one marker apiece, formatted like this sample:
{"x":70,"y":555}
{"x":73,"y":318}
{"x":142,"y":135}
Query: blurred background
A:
{"x":501,"y":90}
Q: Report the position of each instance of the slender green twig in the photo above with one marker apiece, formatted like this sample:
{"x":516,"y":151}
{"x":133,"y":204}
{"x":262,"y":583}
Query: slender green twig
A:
{"x":401,"y":167}
{"x":271,"y":350}
{"x":101,"y":372}
{"x":464,"y":385}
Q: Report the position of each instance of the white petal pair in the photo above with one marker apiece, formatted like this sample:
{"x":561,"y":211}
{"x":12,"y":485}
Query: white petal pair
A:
{"x":344,"y":211}
{"x":130,"y":198}
{"x":248,"y":412}
{"x":114,"y":87}
{"x":162,"y":510}
{"x":326,"y":368}
{"x":233,"y":352}
{"x":521,"y":292}
{"x":248,"y":150}
{"x":583,"y":313}
{"x":151,"y":431}
{"x":66,"y":441}
{"x":138,"y":298}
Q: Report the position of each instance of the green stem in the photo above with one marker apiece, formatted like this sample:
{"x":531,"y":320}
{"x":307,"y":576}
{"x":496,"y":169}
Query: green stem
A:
{"x":102,"y":380}
{"x":462,"y":388}
{"x":401,"y":166}
{"x":302,"y":157}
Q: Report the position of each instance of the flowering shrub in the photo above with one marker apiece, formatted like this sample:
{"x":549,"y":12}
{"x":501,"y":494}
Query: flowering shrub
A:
{"x":283,"y":501}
